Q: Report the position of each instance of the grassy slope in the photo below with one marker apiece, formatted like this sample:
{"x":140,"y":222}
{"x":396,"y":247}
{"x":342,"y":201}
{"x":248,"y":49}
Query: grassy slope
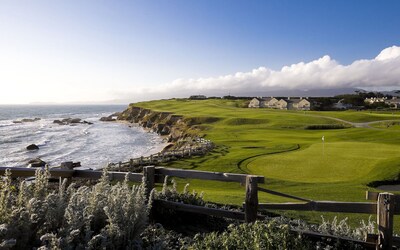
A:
{"x":275,"y":144}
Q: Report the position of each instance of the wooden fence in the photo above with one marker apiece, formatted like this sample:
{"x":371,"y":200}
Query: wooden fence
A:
{"x":157,"y":175}
{"x":201,"y":147}
{"x":383,"y":204}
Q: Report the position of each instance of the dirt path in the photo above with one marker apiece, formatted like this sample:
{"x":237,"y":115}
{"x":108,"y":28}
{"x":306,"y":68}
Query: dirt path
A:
{"x":356,"y":124}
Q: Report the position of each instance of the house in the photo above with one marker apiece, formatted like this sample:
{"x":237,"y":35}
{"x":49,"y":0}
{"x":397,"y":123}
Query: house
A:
{"x":298,"y":104}
{"x":263,"y":102}
{"x":294,"y":104}
{"x":271,"y":102}
{"x":282,"y":104}
{"x":256,"y":102}
{"x":373,"y":100}
{"x":394,"y":102}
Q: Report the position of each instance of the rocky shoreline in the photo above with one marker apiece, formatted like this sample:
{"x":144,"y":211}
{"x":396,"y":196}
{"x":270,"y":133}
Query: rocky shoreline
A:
{"x":184,"y":138}
{"x":173,"y":126}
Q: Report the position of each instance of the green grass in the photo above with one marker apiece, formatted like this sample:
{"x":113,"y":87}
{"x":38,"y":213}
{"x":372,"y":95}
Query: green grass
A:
{"x":275,"y":144}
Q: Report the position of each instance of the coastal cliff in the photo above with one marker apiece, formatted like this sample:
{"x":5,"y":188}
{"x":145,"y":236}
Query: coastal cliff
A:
{"x":175,"y":127}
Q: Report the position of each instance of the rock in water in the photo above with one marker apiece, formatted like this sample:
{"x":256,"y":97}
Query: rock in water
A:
{"x":58,"y":122}
{"x":107,"y":119}
{"x":75,"y":120}
{"x":32,"y":147}
{"x":36,"y":163}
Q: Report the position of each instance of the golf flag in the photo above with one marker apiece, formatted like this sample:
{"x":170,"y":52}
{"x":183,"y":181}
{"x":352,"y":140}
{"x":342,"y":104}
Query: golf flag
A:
{"x":323,"y":138}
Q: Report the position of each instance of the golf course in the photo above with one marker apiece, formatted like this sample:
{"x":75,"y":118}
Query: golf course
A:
{"x":319,"y":155}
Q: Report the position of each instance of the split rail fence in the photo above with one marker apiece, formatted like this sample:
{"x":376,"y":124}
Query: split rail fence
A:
{"x":384,"y":205}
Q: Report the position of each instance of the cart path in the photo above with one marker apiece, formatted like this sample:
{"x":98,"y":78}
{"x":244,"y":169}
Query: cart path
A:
{"x":356,"y":124}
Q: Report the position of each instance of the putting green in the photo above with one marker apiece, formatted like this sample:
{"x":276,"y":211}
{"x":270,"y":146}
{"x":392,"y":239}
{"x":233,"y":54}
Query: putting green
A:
{"x":332,"y":162}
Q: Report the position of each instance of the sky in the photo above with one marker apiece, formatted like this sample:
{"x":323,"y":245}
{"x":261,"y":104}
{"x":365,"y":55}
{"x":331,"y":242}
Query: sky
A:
{"x":126,"y":51}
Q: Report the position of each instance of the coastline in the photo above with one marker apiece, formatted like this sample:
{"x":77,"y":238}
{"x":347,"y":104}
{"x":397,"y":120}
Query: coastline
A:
{"x":93,"y":143}
{"x":177,"y":132}
{"x":159,"y":147}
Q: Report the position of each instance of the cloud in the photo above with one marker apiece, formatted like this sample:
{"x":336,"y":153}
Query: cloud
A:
{"x":323,"y":73}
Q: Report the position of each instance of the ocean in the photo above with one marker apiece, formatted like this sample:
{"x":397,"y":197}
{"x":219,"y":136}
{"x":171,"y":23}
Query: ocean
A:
{"x":93,"y":145}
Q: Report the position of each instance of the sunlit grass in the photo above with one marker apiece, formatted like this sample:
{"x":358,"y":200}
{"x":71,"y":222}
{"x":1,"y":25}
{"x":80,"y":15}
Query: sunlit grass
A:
{"x":274,"y":143}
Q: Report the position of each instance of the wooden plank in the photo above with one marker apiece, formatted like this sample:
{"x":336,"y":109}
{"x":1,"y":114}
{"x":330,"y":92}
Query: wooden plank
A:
{"x":251,"y":200}
{"x":68,"y":173}
{"x":27,"y":172}
{"x":88,"y":174}
{"x":148,"y":173}
{"x":318,"y":236}
{"x":200,"y":210}
{"x":385,"y":215}
{"x":373,"y":196}
{"x":286,"y":206}
{"x":324,"y":206}
{"x":203,"y":175}
{"x":113,"y":175}
{"x":370,"y":195}
{"x":282,"y":194}
{"x":347,"y":207}
{"x":374,"y":238}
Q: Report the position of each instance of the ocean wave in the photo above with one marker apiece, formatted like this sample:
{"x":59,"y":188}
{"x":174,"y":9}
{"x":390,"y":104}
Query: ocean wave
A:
{"x":10,"y":141}
{"x":94,"y":145}
{"x":43,"y":143}
{"x":6,"y":124}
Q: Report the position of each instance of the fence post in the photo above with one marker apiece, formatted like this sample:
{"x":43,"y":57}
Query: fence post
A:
{"x":385,"y":214}
{"x":141,"y":160}
{"x":251,"y":202}
{"x":148,"y":173}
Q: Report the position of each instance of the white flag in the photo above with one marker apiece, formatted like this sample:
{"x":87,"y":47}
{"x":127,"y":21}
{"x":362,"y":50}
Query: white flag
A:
{"x":323,"y":138}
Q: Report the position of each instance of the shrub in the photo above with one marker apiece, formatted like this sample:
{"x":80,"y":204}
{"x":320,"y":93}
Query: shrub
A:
{"x":278,"y":233}
{"x":326,"y":126}
{"x":258,"y":235}
{"x":185,"y":222}
{"x":172,"y":194}
{"x":156,"y":237}
{"x":101,"y":216}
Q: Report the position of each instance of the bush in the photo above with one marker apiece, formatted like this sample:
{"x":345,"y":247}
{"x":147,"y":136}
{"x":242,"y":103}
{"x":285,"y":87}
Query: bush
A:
{"x":326,"y":126}
{"x":156,"y":237}
{"x":258,"y":235}
{"x":185,"y":222}
{"x":276,"y":233}
{"x":101,"y":216}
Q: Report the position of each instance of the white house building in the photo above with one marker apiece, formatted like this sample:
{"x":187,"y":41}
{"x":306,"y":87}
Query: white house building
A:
{"x":271,"y":102}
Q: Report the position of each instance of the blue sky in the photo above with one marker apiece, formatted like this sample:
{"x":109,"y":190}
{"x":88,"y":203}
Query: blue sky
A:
{"x":69,"y":51}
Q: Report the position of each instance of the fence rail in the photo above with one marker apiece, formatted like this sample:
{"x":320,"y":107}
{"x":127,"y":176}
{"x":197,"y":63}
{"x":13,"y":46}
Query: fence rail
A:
{"x":200,"y":210}
{"x":325,"y":206}
{"x":203,"y":175}
{"x":70,"y":173}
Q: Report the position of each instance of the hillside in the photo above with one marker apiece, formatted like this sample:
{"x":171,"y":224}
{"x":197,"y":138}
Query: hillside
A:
{"x":294,"y":160}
